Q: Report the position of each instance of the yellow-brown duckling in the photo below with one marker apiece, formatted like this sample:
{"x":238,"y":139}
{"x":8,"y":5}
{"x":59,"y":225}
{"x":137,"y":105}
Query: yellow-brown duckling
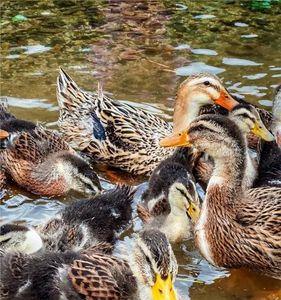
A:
{"x":171,"y":198}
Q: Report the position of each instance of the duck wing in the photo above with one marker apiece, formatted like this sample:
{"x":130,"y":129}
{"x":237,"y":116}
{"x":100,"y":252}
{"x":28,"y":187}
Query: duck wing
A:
{"x":111,"y":131}
{"x":97,"y":276}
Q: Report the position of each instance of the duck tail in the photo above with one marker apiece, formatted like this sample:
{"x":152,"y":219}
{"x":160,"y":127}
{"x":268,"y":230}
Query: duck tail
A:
{"x":69,"y":95}
{"x":4,"y":113}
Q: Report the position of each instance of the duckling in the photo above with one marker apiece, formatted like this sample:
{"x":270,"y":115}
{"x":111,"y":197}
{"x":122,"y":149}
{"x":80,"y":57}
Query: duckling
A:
{"x":237,"y":227}
{"x":247,"y":118}
{"x":170,"y":194}
{"x":148,"y":274}
{"x":125,"y":137}
{"x":41,"y":161}
{"x":79,"y":225}
{"x":269,"y":172}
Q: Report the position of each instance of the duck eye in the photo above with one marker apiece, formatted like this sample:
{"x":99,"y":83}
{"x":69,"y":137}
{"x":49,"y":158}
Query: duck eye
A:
{"x":207,"y":83}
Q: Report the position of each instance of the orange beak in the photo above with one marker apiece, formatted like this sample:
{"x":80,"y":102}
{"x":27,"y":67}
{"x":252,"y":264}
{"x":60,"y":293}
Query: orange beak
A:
{"x":176,"y":140}
{"x":226,"y":101}
{"x":3,"y":134}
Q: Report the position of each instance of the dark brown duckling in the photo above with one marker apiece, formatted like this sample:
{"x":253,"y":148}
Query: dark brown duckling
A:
{"x":40,"y":161}
{"x":79,"y":225}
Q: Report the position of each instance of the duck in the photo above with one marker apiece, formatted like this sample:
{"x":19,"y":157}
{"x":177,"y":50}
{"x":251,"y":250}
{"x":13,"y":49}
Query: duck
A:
{"x":41,"y":161}
{"x":123,"y":136}
{"x":269,"y":171}
{"x":171,"y":193}
{"x":247,"y":118}
{"x":79,"y":225}
{"x":237,"y":227}
{"x":148,"y":273}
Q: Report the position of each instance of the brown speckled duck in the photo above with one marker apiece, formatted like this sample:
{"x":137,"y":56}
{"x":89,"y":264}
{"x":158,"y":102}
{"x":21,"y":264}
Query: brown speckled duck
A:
{"x":41,"y":161}
{"x":123,"y":136}
{"x":237,"y":227}
{"x":147,"y":274}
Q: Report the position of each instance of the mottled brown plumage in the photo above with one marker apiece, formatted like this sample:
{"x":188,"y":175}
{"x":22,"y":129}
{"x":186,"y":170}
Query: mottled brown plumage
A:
{"x":123,"y":136}
{"x":92,"y":273}
{"x":41,"y":161}
{"x":238,"y":227}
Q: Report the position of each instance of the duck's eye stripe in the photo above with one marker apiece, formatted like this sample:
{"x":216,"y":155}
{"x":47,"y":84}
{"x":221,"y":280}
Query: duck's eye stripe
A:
{"x":244,"y":115}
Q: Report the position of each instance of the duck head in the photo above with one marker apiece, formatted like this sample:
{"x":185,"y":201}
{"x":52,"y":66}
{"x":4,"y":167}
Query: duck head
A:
{"x":183,"y":198}
{"x":196,"y":91}
{"x":247,"y":117}
{"x":154,"y":266}
{"x":77,"y":173}
{"x":19,"y":238}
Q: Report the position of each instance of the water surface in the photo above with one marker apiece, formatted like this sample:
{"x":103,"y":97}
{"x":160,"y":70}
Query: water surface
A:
{"x":140,"y":51}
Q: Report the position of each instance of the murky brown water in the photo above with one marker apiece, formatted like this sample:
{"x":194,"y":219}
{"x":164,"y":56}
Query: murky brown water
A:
{"x":140,"y":51}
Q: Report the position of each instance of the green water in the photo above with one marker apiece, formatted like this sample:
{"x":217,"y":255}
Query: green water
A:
{"x":140,"y":51}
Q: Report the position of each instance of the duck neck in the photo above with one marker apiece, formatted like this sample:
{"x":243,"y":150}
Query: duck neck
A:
{"x":185,"y":110}
{"x":229,"y":172}
{"x":224,"y":187}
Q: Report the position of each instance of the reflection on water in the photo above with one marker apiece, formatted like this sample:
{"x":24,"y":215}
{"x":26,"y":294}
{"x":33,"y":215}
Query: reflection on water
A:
{"x":140,"y":51}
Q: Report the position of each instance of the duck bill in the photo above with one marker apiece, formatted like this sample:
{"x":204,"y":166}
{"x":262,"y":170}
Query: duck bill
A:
{"x":176,"y":140}
{"x":163,"y":289}
{"x":3,"y":134}
{"x":226,"y":101}
{"x":194,"y":212}
{"x":261,"y":131}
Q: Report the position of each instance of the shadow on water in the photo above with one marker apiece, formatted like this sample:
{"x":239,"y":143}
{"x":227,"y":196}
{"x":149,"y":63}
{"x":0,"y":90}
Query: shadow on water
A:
{"x":140,"y":51}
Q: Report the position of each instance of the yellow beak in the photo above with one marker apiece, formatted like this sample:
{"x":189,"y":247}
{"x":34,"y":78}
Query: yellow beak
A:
{"x":3,"y":134}
{"x":226,"y":101}
{"x":193,"y":211}
{"x":261,"y":131}
{"x":163,"y":289}
{"x":176,"y":140}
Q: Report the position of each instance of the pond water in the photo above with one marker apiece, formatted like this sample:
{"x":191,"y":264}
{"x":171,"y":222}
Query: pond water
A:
{"x":140,"y":51}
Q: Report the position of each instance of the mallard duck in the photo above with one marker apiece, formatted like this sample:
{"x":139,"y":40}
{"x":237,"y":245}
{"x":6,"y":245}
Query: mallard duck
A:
{"x":237,"y":227}
{"x":122,"y":136}
{"x":276,"y":111}
{"x":79,"y":225}
{"x":41,"y":161}
{"x":170,"y":194}
{"x":247,"y":118}
{"x":269,"y":172}
{"x":147,"y":274}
